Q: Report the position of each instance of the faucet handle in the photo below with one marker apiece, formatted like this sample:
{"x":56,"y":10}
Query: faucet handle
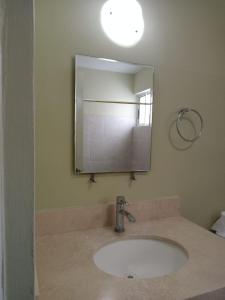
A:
{"x":121,"y":200}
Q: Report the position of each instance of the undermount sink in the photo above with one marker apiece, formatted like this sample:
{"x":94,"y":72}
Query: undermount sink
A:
{"x":141,"y":258}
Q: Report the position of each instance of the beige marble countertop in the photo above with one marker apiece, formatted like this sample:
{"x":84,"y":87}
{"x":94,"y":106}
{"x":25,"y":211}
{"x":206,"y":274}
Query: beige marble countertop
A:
{"x":66,"y":270}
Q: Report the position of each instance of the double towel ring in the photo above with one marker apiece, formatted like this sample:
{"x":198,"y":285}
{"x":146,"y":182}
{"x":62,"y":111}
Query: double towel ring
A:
{"x":180,"y":117}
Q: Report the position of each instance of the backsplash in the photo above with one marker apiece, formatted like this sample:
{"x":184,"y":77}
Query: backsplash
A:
{"x":82,"y":218}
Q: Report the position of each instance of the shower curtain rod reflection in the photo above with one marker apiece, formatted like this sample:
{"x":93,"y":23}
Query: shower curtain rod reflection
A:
{"x":116,"y":102}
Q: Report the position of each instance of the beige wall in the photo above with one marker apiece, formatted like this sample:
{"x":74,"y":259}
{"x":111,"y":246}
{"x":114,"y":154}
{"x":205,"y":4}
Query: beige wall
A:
{"x":184,"y":40}
{"x":142,"y":82}
{"x":107,"y":86}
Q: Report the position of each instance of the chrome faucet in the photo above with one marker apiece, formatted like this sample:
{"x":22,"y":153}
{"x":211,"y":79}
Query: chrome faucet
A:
{"x":120,"y":213}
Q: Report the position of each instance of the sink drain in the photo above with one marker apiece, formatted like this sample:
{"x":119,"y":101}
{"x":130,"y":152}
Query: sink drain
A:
{"x":130,"y":276}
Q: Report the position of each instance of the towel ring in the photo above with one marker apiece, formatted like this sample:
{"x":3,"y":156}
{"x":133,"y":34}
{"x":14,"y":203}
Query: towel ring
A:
{"x":181,"y":114}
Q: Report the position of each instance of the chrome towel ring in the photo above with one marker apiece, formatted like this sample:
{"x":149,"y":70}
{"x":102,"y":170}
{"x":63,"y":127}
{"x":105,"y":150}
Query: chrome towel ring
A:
{"x":180,"y":117}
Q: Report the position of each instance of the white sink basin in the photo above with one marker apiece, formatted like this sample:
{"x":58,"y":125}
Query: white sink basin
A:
{"x":140,"y":258}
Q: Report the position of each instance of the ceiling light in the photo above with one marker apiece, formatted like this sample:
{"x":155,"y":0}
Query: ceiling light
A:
{"x":122,"y":21}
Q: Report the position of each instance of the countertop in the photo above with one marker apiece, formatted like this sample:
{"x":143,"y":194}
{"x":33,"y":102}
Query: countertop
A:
{"x":66,"y":270}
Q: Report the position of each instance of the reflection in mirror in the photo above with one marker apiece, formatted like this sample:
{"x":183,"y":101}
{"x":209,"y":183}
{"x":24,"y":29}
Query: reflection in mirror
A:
{"x":113,"y":115}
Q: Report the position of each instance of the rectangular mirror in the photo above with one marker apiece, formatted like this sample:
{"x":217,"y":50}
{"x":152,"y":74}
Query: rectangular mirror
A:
{"x":113,"y":115}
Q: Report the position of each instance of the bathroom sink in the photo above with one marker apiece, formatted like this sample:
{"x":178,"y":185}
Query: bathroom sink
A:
{"x":141,"y":258}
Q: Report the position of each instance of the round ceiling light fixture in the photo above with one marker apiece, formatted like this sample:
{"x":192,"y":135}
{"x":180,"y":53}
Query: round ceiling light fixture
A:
{"x":122,"y":21}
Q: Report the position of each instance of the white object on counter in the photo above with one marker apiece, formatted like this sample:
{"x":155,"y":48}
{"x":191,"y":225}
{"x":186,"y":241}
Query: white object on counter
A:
{"x":219,"y":226}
